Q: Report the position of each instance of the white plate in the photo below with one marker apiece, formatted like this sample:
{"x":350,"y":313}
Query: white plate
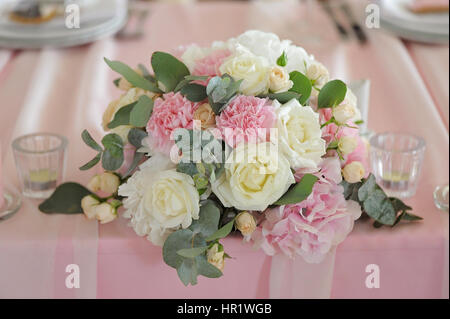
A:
{"x":94,"y":24}
{"x":429,"y":28}
{"x":414,"y":35}
{"x":399,"y":9}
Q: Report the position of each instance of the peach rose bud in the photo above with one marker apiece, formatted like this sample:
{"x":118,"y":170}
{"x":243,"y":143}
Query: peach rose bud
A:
{"x":246,"y":223}
{"x":353,"y":172}
{"x":216,"y":257}
{"x":205,"y":115}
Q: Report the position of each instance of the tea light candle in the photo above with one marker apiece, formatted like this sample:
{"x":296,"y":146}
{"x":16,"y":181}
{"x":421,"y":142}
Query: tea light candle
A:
{"x":2,"y":199}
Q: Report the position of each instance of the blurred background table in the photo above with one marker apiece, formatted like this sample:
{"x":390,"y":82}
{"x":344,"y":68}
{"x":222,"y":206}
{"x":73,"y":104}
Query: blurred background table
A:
{"x":66,"y":90}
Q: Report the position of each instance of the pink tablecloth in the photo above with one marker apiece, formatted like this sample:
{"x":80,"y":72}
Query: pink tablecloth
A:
{"x":66,"y":90}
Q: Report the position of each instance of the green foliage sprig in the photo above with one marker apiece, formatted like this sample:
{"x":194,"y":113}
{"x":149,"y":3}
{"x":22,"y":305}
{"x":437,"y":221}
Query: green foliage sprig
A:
{"x":376,"y":204}
{"x":185,"y":249}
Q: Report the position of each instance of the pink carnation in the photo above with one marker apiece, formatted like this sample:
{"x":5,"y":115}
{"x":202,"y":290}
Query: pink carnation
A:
{"x":210,"y":64}
{"x":312,"y":227}
{"x":170,"y":112}
{"x":246,"y":118}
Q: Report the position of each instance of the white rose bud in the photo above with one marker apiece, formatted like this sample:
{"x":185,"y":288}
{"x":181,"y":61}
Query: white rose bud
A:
{"x":344,"y":112}
{"x":347,"y":144}
{"x":105,"y":213}
{"x":353,"y":172}
{"x":88,"y":203}
{"x":94,"y":184}
{"x":216,"y":257}
{"x":246,"y":223}
{"x":106,"y":182}
{"x":279,"y":80}
{"x":318,"y":73}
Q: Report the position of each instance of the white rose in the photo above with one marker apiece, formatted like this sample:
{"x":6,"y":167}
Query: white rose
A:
{"x":216,"y":257}
{"x":132,"y":95}
{"x":353,"y":172}
{"x":318,"y":73}
{"x":254,"y":70}
{"x":172,"y":199}
{"x":299,"y":134}
{"x":269,"y":46}
{"x":347,"y":144}
{"x":256,"y":175}
{"x":88,"y":204}
{"x":105,"y":213}
{"x":106,"y":182}
{"x":298,"y":59}
{"x":264,"y":44}
{"x":279,"y":80}
{"x":159,"y":200}
{"x":347,"y":110}
{"x":246,"y":223}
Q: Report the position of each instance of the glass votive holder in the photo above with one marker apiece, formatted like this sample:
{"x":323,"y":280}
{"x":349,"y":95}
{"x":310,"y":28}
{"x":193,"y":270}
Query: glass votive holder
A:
{"x":396,"y":161}
{"x":40,"y":161}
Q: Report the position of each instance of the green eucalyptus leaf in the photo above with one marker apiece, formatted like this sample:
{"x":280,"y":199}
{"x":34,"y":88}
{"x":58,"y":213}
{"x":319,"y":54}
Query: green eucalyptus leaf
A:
{"x":302,"y":85}
{"x":116,"y":82}
{"x":351,"y":190}
{"x":66,"y":199}
{"x":87,"y":138}
{"x":110,"y":162}
{"x":180,"y":239}
{"x":411,"y":217}
{"x":379,"y":207}
{"x":367,"y":188}
{"x":331,"y":94}
{"x":114,"y":144}
{"x":399,"y":205}
{"x":222,"y":232}
{"x":135,"y":137}
{"x":208,"y":221}
{"x":146,"y":74}
{"x":91,"y":163}
{"x":191,"y":252}
{"x":284,"y":97}
{"x":206,"y":269}
{"x":220,"y":90}
{"x":196,"y":77}
{"x":122,"y":116}
{"x":141,"y":112}
{"x":132,"y":76}
{"x":168,"y":70}
{"x":299,"y":192}
{"x":187,"y":272}
{"x":194,"y":92}
{"x":187,"y":168}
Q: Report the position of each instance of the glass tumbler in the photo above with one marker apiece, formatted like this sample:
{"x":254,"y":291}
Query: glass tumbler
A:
{"x":40,"y":161}
{"x":396,"y":161}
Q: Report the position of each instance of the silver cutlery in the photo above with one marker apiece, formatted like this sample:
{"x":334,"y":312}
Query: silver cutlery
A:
{"x":331,"y":14}
{"x":141,"y":16}
{"x":356,"y":27}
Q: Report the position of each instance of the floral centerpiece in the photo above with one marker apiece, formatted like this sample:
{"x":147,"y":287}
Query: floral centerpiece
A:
{"x":248,"y":134}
